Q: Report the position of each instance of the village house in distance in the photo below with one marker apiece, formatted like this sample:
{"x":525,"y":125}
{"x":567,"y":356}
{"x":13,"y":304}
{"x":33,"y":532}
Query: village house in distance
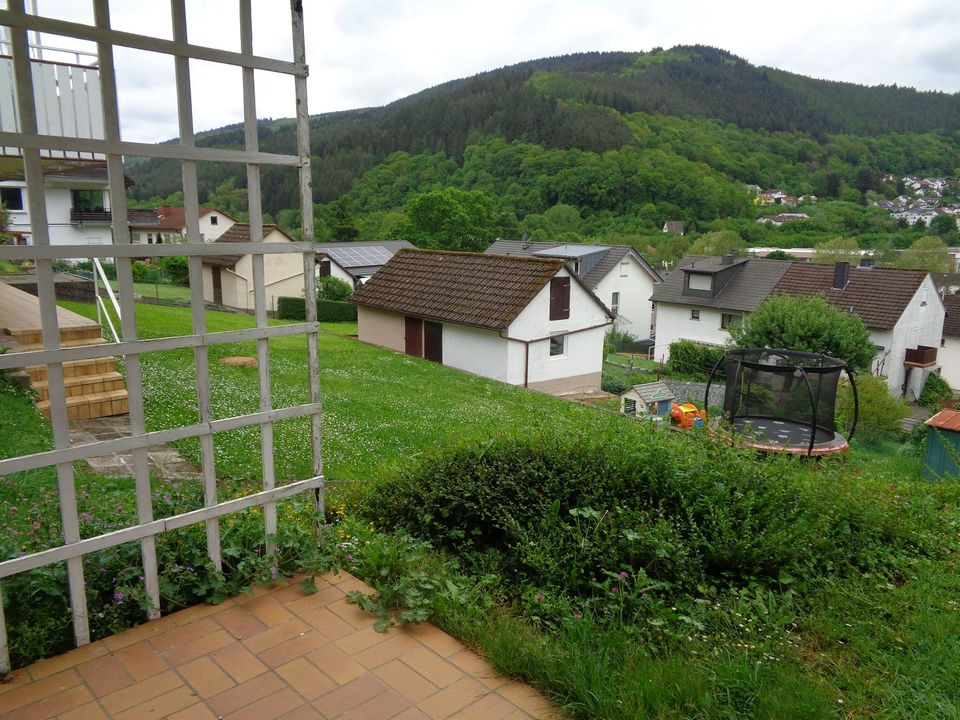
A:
{"x":522,"y":320}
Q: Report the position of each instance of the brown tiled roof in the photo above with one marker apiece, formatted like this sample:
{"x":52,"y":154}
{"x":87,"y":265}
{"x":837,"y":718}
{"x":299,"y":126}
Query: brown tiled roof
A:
{"x":951,"y":323}
{"x":142,"y":218}
{"x":487,"y":291}
{"x":236,"y":233}
{"x":750,"y":286}
{"x":613,"y":255}
{"x":174,"y":218}
{"x":878,"y":295}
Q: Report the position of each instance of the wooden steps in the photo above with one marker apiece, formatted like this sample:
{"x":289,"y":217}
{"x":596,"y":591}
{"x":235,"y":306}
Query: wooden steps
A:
{"x":93,"y":387}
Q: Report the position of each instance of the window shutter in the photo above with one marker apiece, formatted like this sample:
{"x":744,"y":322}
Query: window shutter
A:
{"x":560,"y":298}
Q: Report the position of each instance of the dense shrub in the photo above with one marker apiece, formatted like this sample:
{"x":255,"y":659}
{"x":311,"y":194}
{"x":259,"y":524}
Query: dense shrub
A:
{"x":697,"y":359}
{"x":935,"y":391}
{"x":673,"y":509}
{"x":880,"y":413}
{"x":141,"y":271}
{"x":333,"y":288}
{"x":614,"y":383}
{"x":175,"y":269}
{"x":291,"y":308}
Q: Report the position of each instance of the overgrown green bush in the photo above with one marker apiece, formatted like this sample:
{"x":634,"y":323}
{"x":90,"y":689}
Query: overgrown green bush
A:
{"x":935,"y":391}
{"x":696,"y":359}
{"x":333,"y":288}
{"x":671,"y":512}
{"x":880,"y":413}
{"x":141,"y":271}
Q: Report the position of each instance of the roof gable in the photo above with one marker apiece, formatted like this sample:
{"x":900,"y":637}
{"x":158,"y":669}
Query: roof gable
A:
{"x":612,"y":255}
{"x":878,"y":295}
{"x":487,"y":291}
{"x":752,"y":282}
{"x":238,"y":233}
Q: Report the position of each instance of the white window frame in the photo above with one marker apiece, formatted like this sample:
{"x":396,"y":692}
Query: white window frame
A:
{"x":615,"y":302}
{"x":695,"y":314}
{"x":624,"y":268}
{"x":562,"y":341}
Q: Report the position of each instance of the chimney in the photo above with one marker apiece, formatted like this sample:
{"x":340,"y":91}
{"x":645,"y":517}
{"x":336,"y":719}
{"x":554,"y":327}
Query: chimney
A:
{"x":728,"y":259}
{"x":866,"y":262}
{"x":525,"y":241}
{"x":841,"y":274}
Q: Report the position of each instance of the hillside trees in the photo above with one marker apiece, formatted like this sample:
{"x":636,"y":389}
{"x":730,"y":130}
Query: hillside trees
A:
{"x":928,"y":253}
{"x":450,"y":219}
{"x":841,"y":249}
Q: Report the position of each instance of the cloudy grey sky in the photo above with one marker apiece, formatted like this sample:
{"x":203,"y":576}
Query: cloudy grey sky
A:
{"x":370,"y":52}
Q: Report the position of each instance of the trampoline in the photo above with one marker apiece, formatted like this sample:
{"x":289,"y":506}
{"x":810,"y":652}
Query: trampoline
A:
{"x":784,"y":400}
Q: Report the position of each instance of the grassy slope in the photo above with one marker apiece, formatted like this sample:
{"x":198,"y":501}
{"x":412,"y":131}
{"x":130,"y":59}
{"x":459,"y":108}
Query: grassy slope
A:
{"x":866,"y":647}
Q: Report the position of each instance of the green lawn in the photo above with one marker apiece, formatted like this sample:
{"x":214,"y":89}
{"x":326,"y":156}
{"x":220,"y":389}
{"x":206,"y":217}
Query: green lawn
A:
{"x":637,"y":361}
{"x":867,"y":645}
{"x":162,"y":291}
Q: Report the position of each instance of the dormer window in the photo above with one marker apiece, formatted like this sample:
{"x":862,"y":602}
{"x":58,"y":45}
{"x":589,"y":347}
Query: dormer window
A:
{"x":701,"y":281}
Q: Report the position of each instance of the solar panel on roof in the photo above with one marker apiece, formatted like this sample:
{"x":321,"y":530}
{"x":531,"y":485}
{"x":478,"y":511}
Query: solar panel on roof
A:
{"x":359,"y":256}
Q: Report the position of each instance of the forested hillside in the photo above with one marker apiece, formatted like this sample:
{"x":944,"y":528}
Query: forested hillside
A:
{"x":627,"y":140}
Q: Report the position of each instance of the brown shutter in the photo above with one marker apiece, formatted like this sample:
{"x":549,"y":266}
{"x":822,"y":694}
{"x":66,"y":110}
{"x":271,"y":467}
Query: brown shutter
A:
{"x":413,"y":338}
{"x":433,"y":341}
{"x":324,"y":267}
{"x":560,"y":298}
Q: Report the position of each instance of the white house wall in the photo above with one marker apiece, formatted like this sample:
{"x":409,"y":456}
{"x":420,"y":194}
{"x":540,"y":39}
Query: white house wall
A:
{"x":920,"y":324}
{"x":949,"y":357}
{"x":381,"y":327}
{"x":482,"y":352}
{"x":636,"y":310}
{"x":61,"y":230}
{"x":674,"y":323}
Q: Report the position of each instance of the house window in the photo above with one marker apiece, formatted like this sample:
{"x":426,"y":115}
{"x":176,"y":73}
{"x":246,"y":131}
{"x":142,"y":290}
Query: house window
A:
{"x":559,"y":298}
{"x":11,"y":198}
{"x":624,"y":268}
{"x":629,"y":406}
{"x":615,"y":303}
{"x":557,"y":345}
{"x":694,"y":314}
{"x":213,"y":219}
{"x":87,"y":199}
{"x":727,"y":319}
{"x":149,"y":238}
{"x":323,"y":268}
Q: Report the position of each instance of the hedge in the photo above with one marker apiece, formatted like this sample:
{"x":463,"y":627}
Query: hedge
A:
{"x":291,"y":308}
{"x":690,"y":358}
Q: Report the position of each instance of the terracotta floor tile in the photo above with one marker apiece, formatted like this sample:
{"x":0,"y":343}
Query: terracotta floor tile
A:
{"x":405,"y":680}
{"x":145,"y":690}
{"x":387,"y":704}
{"x":396,"y":645}
{"x":192,"y":614}
{"x":489,"y":707}
{"x":70,"y":659}
{"x":139,"y":633}
{"x":23,"y":692}
{"x":433,"y":667}
{"x":435,"y":639}
{"x":337,"y":664}
{"x":270,"y":707}
{"x":275,"y":635}
{"x":194,"y":712}
{"x":239,"y":622}
{"x":295,"y":647}
{"x":412,"y":713}
{"x":347,"y":582}
{"x":205,"y":677}
{"x":141,"y":660}
{"x":104,"y":675}
{"x":53,"y":705}
{"x":90,"y":711}
{"x":201,"y":646}
{"x":346,"y":697}
{"x":306,"y":678}
{"x":351,"y":613}
{"x":184,"y":634}
{"x":332,"y":626}
{"x":453,"y":698}
{"x":304,"y":712}
{"x":245,"y":694}
{"x":267,"y":610}
{"x":238,"y":662}
{"x":323,"y":597}
{"x":161,"y":706}
{"x":360,"y":640}
{"x":526,"y":698}
{"x":474,"y":665}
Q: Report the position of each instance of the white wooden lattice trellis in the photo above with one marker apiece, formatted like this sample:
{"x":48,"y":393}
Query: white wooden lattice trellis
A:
{"x":131,"y":348}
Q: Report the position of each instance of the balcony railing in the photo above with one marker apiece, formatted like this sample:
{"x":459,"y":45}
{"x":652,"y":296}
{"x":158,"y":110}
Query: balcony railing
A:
{"x":922,"y":356}
{"x":98,"y":216}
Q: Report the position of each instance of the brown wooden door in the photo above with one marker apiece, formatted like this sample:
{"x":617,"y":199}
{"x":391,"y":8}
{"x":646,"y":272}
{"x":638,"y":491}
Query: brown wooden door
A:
{"x":433,"y":341}
{"x":217,"y":287}
{"x":413,"y":336}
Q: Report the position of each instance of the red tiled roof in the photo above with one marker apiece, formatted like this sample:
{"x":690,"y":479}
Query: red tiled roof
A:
{"x":946,"y":420}
{"x":951,"y":323}
{"x":237,"y":233}
{"x":878,"y":295}
{"x":174,"y":218}
{"x":487,"y":291}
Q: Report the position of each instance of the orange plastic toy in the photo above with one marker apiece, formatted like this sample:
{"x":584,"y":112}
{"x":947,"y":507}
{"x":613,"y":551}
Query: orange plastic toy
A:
{"x":687,"y":415}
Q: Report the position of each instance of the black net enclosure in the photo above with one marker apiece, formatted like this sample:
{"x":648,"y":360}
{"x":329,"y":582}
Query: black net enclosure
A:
{"x":784,"y":400}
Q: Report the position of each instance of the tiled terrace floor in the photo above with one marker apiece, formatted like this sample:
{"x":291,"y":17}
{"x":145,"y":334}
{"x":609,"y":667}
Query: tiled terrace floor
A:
{"x":275,"y":654}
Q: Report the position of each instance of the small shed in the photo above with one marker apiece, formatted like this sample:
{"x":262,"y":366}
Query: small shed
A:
{"x":942,"y":457}
{"x":647,"y":400}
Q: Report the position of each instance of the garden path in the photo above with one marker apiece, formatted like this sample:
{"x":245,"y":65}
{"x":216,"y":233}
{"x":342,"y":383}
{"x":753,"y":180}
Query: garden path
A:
{"x":277,"y":653}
